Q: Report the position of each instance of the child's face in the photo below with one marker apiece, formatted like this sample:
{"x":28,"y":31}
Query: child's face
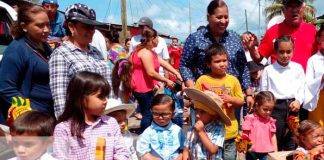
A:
{"x":203,"y":116}
{"x":265,"y":109}
{"x":121,"y":118}
{"x":29,"y":147}
{"x":218,"y":65}
{"x":320,"y":41}
{"x":162,"y":114}
{"x":95,"y":104}
{"x":284,"y":53}
{"x":313,"y":139}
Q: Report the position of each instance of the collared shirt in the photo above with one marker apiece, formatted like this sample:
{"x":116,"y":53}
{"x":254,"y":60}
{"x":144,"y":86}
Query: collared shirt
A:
{"x":57,"y":30}
{"x":192,"y":63}
{"x":68,"y":60}
{"x":215,"y":132}
{"x":284,"y":82}
{"x":162,"y":142}
{"x":67,"y":147}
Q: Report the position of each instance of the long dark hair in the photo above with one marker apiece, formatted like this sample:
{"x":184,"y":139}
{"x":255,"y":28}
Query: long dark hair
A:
{"x":122,"y":73}
{"x":80,"y":86}
{"x":25,"y":15}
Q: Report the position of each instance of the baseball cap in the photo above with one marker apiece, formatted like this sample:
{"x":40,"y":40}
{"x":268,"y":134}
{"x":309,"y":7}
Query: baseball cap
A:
{"x":50,"y":1}
{"x":81,"y":13}
{"x":289,"y":1}
{"x":145,"y":21}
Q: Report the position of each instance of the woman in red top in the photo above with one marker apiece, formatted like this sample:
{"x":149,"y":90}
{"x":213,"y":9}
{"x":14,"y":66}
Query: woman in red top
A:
{"x":145,"y":73}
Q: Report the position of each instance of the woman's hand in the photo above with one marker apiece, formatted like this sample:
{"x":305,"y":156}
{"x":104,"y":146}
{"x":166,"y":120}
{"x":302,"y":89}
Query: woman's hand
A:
{"x":179,"y":77}
{"x":170,"y":83}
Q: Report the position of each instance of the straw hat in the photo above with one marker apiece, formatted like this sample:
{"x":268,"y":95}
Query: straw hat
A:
{"x":209,"y":99}
{"x":116,"y":105}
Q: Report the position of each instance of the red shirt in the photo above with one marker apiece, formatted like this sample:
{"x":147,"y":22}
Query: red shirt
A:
{"x":175,"y":54}
{"x":304,"y":37}
{"x":141,"y":82}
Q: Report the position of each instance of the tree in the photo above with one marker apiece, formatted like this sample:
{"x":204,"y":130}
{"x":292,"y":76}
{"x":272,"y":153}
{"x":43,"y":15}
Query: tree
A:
{"x":276,"y":9}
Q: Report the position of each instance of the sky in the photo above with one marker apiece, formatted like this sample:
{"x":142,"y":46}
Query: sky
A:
{"x":172,"y":16}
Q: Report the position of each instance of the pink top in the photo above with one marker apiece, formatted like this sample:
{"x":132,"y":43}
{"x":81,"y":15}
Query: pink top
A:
{"x":261,"y":131}
{"x":141,"y":81}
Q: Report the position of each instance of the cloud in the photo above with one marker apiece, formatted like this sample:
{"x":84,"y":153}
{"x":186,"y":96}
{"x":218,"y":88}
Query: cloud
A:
{"x":153,"y":11}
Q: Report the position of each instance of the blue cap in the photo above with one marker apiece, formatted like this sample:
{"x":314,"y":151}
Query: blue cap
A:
{"x":50,"y":1}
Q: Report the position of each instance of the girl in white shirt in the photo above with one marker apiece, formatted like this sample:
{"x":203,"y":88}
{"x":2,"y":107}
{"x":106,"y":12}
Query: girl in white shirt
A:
{"x":314,"y":92}
{"x":286,"y":80}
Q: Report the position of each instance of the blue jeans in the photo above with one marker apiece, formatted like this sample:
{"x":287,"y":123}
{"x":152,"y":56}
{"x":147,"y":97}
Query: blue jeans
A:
{"x":144,"y":102}
{"x":229,"y":149}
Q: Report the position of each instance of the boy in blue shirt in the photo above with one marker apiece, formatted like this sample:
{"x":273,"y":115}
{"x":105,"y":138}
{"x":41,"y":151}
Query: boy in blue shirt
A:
{"x":162,"y":139}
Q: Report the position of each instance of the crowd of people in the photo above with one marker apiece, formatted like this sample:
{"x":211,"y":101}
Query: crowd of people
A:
{"x":70,"y":87}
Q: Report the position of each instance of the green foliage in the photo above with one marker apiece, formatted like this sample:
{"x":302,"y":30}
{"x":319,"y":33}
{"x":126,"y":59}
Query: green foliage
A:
{"x":276,"y":9}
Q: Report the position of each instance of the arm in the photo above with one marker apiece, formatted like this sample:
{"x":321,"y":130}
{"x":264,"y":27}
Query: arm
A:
{"x":236,"y":95}
{"x":274,"y":142}
{"x":186,"y":61}
{"x":185,"y":155}
{"x":147,"y":60}
{"x":13,"y":68}
{"x":295,"y":105}
{"x":208,"y":144}
{"x":58,"y":71}
{"x":248,"y":41}
{"x":168,"y":67}
{"x":61,"y":142}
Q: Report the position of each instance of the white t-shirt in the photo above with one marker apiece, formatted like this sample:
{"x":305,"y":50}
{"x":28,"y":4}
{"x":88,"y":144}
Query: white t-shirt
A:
{"x":98,"y":41}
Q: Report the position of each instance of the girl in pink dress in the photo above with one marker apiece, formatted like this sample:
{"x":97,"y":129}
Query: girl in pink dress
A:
{"x":260,"y":127}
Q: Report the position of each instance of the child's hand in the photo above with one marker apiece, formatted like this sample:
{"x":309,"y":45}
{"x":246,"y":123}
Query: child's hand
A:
{"x":199,"y":126}
{"x":294,"y":106}
{"x":226,"y":98}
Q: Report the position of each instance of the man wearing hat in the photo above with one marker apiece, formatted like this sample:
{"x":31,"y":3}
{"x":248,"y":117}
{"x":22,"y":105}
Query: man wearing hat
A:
{"x":161,"y":49}
{"x":293,"y":25}
{"x":56,"y":20}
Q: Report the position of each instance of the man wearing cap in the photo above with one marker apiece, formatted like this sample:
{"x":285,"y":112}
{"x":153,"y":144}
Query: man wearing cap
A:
{"x":56,"y":20}
{"x":161,"y":50}
{"x":293,"y":25}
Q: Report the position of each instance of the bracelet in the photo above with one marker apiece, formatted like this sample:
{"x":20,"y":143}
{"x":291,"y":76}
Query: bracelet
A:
{"x":249,"y":95}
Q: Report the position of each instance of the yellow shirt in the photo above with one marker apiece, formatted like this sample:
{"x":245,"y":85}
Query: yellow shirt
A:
{"x":226,"y":85}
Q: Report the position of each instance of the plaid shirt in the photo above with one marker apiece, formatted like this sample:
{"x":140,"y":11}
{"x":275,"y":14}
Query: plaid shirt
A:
{"x":216,"y":133}
{"x":67,"y":60}
{"x":67,"y":147}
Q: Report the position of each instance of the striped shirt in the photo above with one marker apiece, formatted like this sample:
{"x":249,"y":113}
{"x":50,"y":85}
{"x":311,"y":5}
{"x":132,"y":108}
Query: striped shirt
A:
{"x":67,"y":147}
{"x":215,"y":132}
{"x":67,"y":60}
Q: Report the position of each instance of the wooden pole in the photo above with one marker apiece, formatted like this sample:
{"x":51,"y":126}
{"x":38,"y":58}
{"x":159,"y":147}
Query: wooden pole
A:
{"x":124,"y":21}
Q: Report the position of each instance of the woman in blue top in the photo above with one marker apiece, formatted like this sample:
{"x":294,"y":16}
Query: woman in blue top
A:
{"x":24,"y":67}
